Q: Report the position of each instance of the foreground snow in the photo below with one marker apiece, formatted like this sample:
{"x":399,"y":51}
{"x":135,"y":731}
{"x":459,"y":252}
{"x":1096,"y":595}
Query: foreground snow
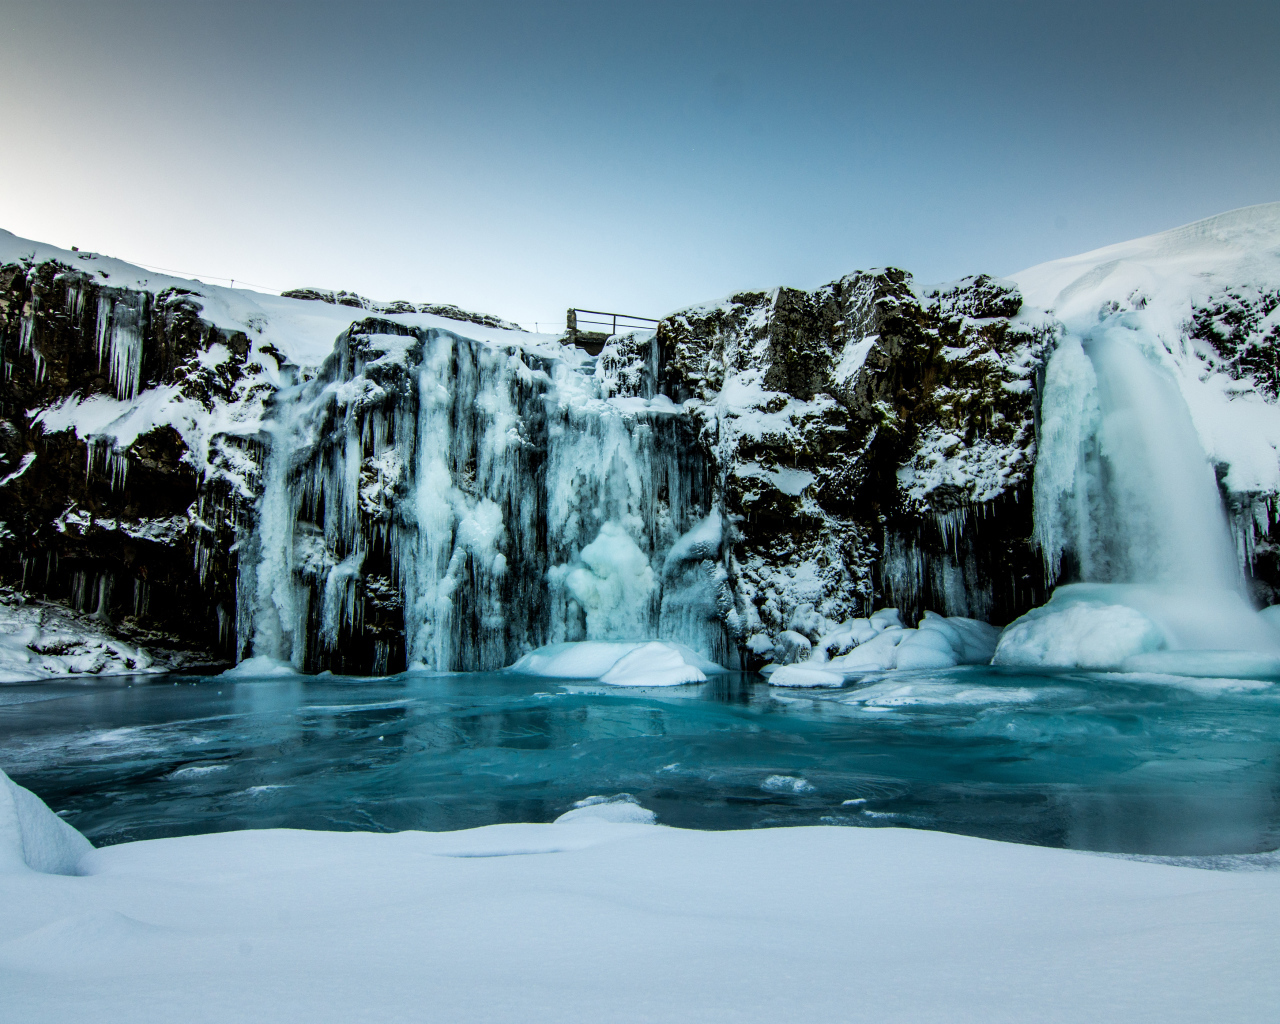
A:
{"x":599,"y":917}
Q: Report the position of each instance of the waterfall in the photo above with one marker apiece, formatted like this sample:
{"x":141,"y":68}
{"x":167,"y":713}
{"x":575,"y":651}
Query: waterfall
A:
{"x":1128,"y":514}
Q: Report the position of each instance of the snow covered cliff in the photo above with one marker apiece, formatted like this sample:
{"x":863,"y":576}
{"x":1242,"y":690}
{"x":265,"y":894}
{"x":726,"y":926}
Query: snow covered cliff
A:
{"x":339,"y":483}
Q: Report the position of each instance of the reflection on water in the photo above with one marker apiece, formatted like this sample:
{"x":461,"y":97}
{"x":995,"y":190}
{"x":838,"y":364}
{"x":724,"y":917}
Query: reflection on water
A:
{"x":1138,"y":764}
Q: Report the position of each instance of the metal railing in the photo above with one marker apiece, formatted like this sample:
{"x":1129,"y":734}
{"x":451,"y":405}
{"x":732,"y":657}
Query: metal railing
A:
{"x":580,"y":318}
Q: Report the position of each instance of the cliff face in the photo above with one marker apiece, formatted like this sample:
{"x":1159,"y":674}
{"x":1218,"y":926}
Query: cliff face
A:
{"x":134,"y":526}
{"x":364,"y":486}
{"x":875,"y":444}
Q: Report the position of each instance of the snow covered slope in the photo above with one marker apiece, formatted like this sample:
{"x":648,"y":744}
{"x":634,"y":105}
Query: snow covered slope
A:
{"x":1208,"y":295}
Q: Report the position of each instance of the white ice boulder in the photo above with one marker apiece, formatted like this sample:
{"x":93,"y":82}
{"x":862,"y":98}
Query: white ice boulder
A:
{"x":261,"y":666}
{"x":1078,"y":634}
{"x":654,"y":664}
{"x":33,"y":837}
{"x":623,"y":809}
{"x":633,"y":663}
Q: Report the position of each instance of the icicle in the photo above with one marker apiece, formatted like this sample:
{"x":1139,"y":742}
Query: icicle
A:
{"x":119,"y":341}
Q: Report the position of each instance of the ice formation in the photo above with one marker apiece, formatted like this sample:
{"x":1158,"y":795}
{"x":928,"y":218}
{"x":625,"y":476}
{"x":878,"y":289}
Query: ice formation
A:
{"x":492,"y":497}
{"x":880,"y":643}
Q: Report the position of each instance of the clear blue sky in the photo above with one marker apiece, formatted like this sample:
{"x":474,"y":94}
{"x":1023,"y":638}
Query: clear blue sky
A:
{"x":520,"y":158}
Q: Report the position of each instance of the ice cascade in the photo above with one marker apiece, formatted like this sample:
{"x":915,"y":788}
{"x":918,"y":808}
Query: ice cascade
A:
{"x":1127,"y":506}
{"x":459,"y":503}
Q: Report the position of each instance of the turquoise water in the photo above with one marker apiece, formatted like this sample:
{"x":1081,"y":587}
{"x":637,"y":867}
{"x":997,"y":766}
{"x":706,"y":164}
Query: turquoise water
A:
{"x":1137,"y":764}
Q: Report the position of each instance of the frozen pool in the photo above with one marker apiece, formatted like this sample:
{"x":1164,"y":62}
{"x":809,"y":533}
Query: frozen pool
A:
{"x":1140,"y":764}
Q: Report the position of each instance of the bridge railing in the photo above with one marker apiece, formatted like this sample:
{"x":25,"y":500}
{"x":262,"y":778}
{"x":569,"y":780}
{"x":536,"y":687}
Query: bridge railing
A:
{"x":595,"y":326}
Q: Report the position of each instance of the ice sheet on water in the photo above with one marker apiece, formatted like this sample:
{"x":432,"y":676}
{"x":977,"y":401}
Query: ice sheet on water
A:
{"x":1233,"y":665}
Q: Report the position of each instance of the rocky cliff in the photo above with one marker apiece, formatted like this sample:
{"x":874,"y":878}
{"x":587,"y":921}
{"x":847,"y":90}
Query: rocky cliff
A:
{"x":362,"y":486}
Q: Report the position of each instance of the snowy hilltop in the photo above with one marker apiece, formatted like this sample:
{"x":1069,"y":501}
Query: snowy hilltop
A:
{"x":323,"y":480}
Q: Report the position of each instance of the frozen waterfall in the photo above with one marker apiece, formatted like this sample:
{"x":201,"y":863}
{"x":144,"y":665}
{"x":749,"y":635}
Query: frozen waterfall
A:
{"x":1127,"y":506}
{"x":457,"y":503}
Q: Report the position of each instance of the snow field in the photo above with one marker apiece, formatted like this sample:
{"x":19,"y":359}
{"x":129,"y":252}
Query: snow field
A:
{"x":597,"y":919}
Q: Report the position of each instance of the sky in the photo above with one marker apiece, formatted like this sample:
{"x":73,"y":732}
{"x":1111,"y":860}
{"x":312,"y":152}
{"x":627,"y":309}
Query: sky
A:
{"x":520,"y":158}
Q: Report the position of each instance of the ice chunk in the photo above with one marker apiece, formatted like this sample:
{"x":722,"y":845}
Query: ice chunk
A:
{"x":791,"y":647}
{"x":928,"y":648}
{"x":653,"y":664}
{"x":880,"y":652}
{"x":1101,"y":626}
{"x":843,"y":638}
{"x":886,"y":618}
{"x":787,"y":784}
{"x":1087,"y":634}
{"x":32,"y":836}
{"x":623,"y":809}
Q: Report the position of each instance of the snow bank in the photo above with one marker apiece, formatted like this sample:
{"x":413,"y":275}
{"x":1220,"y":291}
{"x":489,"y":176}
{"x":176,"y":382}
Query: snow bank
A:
{"x":41,"y":640}
{"x":594,"y":921}
{"x":880,"y":643}
{"x":33,"y":837}
{"x":639,"y":663}
{"x":303,"y":330}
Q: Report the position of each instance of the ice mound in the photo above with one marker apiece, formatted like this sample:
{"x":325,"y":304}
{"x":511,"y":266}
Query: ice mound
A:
{"x":1087,"y":634}
{"x":261,"y":666}
{"x":881,"y":643}
{"x":636,"y":663}
{"x":1129,"y":627}
{"x":32,"y":836}
{"x":623,"y":809}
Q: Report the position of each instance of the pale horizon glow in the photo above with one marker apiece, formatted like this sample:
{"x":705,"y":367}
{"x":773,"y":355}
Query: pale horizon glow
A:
{"x":523,"y":158}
